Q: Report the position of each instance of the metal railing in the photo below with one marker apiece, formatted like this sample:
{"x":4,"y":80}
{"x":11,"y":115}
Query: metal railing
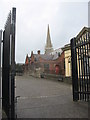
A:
{"x":80,"y":57}
{"x":8,"y":66}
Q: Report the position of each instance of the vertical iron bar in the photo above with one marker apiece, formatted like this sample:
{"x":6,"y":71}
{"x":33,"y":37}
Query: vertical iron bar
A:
{"x":13,"y":63}
{"x":81,"y":67}
{"x":85,"y":66}
{"x":5,"y":75}
{"x":87,"y":79}
{"x":79,"y":70}
{"x":74,"y":69}
{"x":89,"y":64}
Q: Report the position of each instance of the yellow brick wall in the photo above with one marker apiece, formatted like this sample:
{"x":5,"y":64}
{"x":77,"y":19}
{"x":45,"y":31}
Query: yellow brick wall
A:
{"x":67,"y":64}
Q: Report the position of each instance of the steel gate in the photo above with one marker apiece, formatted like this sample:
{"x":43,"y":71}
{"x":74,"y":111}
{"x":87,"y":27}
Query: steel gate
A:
{"x":8,"y":66}
{"x":80,"y":57}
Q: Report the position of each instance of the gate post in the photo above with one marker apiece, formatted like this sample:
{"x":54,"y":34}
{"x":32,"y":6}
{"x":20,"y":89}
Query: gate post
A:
{"x":74,"y":69}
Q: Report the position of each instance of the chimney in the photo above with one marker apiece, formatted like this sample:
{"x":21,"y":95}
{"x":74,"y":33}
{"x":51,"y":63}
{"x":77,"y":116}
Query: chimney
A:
{"x":38,"y":52}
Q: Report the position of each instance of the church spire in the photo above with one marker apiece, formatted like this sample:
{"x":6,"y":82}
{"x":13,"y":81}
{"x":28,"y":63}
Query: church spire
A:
{"x":48,"y":47}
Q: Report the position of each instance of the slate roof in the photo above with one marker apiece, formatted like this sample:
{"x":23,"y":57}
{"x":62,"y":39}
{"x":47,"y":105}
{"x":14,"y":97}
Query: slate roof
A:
{"x":46,"y":56}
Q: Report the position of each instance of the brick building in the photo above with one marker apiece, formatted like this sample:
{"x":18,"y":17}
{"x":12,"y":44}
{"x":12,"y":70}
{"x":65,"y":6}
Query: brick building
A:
{"x":51,"y":62}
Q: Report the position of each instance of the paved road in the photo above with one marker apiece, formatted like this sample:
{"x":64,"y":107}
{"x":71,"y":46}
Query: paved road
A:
{"x":41,"y":98}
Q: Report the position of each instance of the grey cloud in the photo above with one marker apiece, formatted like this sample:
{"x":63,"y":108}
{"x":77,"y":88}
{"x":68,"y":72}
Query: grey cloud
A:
{"x":66,"y":20}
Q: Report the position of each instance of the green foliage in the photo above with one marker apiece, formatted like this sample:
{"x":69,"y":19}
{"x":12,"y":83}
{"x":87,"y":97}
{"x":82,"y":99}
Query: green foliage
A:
{"x":19,"y":68}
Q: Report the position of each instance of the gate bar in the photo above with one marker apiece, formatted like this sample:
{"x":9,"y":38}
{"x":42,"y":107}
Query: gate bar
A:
{"x":74,"y":69}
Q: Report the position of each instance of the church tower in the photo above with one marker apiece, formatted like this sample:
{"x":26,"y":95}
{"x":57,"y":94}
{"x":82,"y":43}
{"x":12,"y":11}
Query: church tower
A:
{"x":48,"y":46}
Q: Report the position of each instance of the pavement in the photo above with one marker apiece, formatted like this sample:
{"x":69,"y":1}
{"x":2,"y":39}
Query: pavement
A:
{"x":42,"y":98}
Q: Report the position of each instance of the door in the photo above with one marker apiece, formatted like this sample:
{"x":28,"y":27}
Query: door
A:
{"x":57,"y":69}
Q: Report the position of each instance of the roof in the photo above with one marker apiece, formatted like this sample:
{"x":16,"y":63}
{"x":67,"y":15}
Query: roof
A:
{"x":56,"y":51}
{"x":46,"y":56}
{"x":67,"y":47}
{"x":84,"y":29}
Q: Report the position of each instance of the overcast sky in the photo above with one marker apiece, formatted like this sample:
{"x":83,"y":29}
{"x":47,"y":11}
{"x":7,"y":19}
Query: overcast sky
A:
{"x":65,"y":19}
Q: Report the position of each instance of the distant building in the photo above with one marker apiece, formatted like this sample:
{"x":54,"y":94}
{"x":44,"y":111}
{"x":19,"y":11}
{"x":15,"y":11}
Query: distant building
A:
{"x":67,"y":50}
{"x":67,"y":55}
{"x":52,"y":62}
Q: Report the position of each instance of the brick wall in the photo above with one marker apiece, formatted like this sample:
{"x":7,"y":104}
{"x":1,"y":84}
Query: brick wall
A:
{"x":47,"y":66}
